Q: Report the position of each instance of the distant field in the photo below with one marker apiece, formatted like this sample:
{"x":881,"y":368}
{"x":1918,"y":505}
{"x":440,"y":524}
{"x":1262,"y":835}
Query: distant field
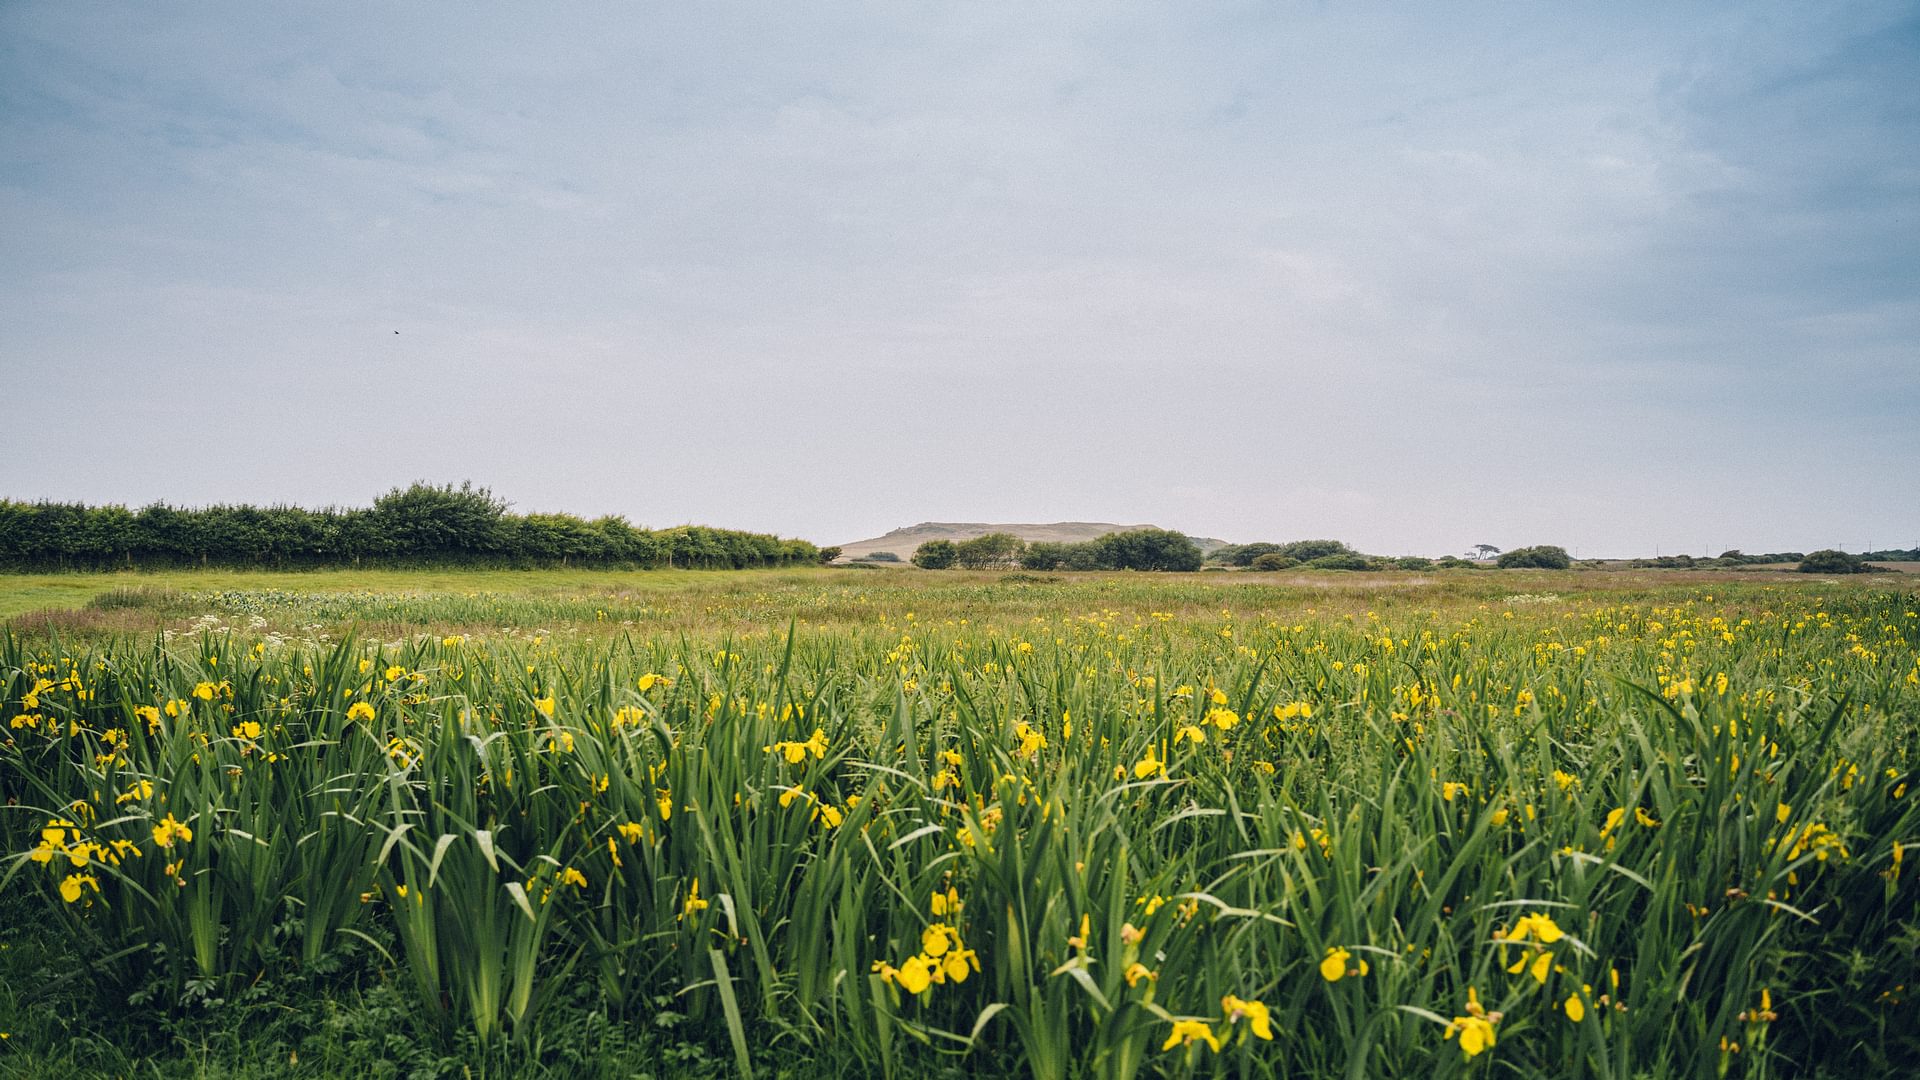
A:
{"x":575,"y":591}
{"x":831,"y":822}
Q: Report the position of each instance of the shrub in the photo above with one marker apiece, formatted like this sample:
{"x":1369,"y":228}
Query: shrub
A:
{"x":1542,"y":557}
{"x":1413,"y":562}
{"x":995,"y":549}
{"x":935,"y":555}
{"x":1148,"y":549}
{"x":1273,"y":560}
{"x":1242,"y":554}
{"x":1666,"y":562}
{"x":1308,"y":550}
{"x":1893,"y":555}
{"x":880,"y":556}
{"x":1830,"y":561}
{"x":1046,"y":555}
{"x":1341,"y":561}
{"x":420,"y":524}
{"x":427,"y":520}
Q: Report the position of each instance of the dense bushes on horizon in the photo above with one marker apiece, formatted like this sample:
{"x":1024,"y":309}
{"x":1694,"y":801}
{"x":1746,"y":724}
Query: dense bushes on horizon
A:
{"x":1138,"y":549}
{"x":1830,"y":561}
{"x":422,"y":523}
{"x":1542,"y":557}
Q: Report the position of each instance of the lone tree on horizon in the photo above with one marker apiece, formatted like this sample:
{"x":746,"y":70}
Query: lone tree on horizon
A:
{"x":1482,"y":552}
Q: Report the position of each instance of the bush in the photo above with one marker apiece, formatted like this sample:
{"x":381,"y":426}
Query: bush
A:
{"x":879,"y":556}
{"x":421,"y":524}
{"x":1542,"y":557}
{"x":1343,"y":561}
{"x":1893,"y":555}
{"x":1666,"y":562}
{"x":1273,"y":560}
{"x":1308,"y":550}
{"x":935,"y":555}
{"x":1455,"y":562}
{"x":440,"y":521}
{"x":993,"y":550}
{"x":1833,"y":562}
{"x":1046,"y":555}
{"x":1140,"y":549}
{"x":1242,"y":554}
{"x":1413,"y":562}
{"x":1148,"y":549}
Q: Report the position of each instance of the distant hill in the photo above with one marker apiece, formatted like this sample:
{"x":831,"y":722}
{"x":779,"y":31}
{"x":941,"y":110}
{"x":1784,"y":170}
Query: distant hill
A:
{"x":902,"y":542}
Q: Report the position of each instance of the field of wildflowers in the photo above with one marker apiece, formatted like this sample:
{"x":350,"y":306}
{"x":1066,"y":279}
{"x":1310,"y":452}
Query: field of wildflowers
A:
{"x":903,"y":824}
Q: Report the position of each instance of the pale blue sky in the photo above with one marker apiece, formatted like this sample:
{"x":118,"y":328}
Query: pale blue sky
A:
{"x":1622,"y":277}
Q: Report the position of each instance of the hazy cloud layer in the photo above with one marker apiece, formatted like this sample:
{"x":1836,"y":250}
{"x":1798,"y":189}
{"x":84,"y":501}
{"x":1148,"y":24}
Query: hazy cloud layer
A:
{"x":1621,"y":277}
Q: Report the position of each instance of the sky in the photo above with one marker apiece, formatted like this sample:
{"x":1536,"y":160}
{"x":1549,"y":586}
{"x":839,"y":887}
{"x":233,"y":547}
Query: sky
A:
{"x":1628,"y":278}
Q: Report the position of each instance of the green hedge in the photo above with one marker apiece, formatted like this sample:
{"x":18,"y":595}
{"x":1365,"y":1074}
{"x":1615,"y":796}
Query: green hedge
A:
{"x":420,"y":524}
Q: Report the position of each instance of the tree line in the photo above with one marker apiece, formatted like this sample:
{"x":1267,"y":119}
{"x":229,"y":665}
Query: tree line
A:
{"x":1162,"y":549}
{"x":1336,"y":555}
{"x":1138,"y":549}
{"x":417,"y":525}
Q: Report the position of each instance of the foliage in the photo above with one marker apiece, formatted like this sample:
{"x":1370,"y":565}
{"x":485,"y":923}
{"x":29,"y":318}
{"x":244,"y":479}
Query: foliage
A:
{"x":1736,"y":557}
{"x":1147,"y":549}
{"x":1273,"y":560}
{"x":1666,"y":562}
{"x":880,"y":556}
{"x":935,"y":555}
{"x":989,"y":551}
{"x":1893,"y":555}
{"x":1138,"y":549}
{"x":422,"y":524}
{"x":1308,"y":550}
{"x":1047,"y":555}
{"x":1241,"y":554}
{"x":1342,"y":561}
{"x":1829,"y":561}
{"x":1543,"y":557}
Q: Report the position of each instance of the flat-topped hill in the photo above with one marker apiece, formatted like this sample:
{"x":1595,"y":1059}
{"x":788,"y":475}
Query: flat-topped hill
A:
{"x":903,"y":541}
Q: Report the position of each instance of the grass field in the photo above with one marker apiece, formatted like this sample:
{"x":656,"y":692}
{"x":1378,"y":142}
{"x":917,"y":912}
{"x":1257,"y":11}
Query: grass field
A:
{"x":850,"y":823}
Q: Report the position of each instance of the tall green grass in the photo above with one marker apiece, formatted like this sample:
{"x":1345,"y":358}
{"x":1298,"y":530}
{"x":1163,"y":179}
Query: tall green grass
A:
{"x":985,"y":836}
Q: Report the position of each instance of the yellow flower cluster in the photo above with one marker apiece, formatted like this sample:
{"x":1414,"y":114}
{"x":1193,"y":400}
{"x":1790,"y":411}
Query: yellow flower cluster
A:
{"x":1233,"y":1010}
{"x":826,"y":813}
{"x":1537,"y":932}
{"x":796,"y":752}
{"x":942,"y":958}
{"x":63,"y":838}
{"x":1031,"y":740}
{"x":1476,"y":1028}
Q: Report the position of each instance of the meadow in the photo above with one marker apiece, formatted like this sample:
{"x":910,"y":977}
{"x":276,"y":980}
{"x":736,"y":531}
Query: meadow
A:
{"x":825,"y":822}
